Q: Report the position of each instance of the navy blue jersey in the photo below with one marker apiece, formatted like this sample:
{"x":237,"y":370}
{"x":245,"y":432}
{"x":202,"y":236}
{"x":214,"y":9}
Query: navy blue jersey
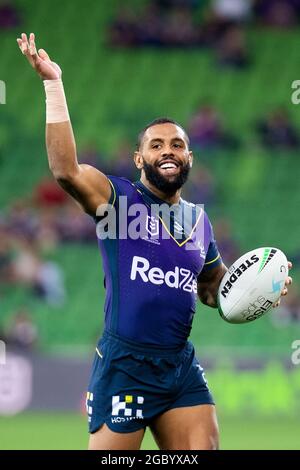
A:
{"x":151,"y":281}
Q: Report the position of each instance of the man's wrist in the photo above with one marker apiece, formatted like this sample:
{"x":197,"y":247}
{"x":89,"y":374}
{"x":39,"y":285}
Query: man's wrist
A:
{"x":56,"y":103}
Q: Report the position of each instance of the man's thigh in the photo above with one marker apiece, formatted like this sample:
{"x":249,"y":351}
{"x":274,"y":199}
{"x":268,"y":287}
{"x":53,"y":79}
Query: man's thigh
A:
{"x":105,"y":439}
{"x":187,"y":428}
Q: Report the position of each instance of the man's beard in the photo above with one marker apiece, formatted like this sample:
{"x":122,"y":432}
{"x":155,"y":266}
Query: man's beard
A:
{"x":164,"y":184}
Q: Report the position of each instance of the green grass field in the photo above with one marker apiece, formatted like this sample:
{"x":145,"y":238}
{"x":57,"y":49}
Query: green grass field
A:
{"x":68,"y":431}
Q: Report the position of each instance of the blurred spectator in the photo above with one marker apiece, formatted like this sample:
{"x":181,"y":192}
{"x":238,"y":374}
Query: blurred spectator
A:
{"x":75,"y":226}
{"x":185,"y":35}
{"x":49,"y":193}
{"x":6,"y":257}
{"x":206,"y":130}
{"x":25,"y":262}
{"x":49,"y":283}
{"x":22,"y":332}
{"x":277,"y":132}
{"x":150,"y":29}
{"x":157,"y":25}
{"x":46,"y":234}
{"x":231,"y":49}
{"x":21,"y":220}
{"x":234,"y":11}
{"x":43,"y":278}
{"x":41,"y":228}
{"x":175,"y":23}
{"x":222,"y":22}
{"x":124,"y":29}
{"x":278,"y":13}
{"x":168,"y":4}
{"x":9,"y":15}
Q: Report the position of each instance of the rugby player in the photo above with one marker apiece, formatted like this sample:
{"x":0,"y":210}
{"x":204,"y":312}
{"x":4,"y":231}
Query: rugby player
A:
{"x":145,"y":372}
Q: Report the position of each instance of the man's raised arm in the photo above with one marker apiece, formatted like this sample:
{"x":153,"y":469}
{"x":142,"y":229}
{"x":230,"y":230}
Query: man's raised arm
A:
{"x":85,"y":183}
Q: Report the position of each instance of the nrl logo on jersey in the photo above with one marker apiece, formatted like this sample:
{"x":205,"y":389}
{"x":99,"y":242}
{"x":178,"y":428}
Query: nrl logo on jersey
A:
{"x":152,"y":226}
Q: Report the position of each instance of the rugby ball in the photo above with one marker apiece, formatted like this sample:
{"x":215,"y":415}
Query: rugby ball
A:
{"x":252,"y":285}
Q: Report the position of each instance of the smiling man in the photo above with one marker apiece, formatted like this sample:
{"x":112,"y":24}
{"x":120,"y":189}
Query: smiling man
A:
{"x":149,"y":375}
{"x":145,"y":372}
{"x":164,"y":158}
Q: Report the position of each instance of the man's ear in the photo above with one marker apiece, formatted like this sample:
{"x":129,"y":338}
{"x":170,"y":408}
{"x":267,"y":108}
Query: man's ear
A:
{"x":191,"y":159}
{"x":138,"y":160}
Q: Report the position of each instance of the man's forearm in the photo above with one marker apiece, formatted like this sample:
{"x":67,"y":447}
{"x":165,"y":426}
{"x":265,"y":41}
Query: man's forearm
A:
{"x":208,"y":285}
{"x":61,"y":149}
{"x":208,"y":295}
{"x":60,"y":140}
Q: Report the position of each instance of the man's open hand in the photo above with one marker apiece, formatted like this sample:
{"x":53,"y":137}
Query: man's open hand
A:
{"x":40,"y":60}
{"x":288,"y":282}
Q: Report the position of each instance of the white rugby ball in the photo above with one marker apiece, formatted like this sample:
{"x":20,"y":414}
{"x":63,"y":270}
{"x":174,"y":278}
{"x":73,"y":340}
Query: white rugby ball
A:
{"x":252,"y":285}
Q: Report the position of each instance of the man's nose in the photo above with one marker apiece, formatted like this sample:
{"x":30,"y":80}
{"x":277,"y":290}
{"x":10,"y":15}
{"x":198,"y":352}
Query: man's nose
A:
{"x":167,"y":152}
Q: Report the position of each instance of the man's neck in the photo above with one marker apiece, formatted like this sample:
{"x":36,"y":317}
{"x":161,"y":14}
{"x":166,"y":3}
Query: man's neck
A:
{"x":170,"y":199}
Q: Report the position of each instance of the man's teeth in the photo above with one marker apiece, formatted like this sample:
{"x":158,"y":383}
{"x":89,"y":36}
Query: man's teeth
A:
{"x":167,"y":166}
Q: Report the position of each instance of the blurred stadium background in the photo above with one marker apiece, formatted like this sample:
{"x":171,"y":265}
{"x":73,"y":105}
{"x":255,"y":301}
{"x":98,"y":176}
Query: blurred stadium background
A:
{"x":222,"y":68}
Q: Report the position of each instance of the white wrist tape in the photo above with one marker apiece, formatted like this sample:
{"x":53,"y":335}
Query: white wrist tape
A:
{"x":56,"y":104}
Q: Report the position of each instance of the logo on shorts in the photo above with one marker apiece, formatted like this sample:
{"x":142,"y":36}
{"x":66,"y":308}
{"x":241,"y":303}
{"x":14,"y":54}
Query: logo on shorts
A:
{"x":88,"y":404}
{"x":127,"y":409}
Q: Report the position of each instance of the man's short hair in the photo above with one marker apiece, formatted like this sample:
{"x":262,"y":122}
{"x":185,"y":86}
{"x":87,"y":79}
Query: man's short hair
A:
{"x":155,"y":122}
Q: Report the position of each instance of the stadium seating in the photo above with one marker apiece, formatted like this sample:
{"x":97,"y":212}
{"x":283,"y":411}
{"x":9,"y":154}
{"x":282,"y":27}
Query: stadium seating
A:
{"x":112,"y":93}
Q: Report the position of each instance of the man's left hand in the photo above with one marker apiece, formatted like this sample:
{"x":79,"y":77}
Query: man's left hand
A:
{"x":287,"y":283}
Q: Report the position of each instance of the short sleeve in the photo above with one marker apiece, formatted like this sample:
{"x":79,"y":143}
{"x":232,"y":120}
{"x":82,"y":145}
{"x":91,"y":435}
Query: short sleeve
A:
{"x":119,"y":187}
{"x":213,"y":257}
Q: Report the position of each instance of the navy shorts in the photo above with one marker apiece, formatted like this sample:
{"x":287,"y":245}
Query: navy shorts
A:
{"x":131,"y":384}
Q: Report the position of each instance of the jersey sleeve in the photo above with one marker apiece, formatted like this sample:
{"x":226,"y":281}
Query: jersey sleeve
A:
{"x":213,"y":257}
{"x":119,"y":187}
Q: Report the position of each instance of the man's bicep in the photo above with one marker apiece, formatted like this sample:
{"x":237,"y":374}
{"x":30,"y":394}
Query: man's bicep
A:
{"x":89,"y":187}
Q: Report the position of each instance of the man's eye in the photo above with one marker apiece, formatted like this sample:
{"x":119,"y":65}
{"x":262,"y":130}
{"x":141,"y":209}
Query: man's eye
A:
{"x":155,"y":146}
{"x":177,"y":145}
